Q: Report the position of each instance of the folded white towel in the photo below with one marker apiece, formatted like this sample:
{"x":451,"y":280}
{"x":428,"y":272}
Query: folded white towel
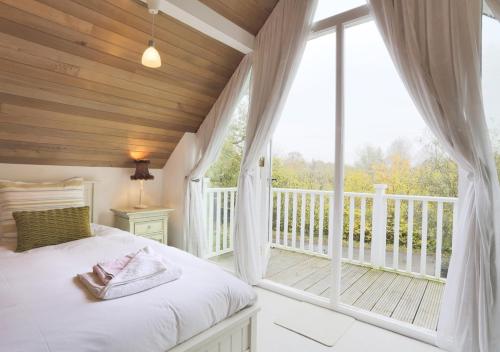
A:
{"x":144,"y":271}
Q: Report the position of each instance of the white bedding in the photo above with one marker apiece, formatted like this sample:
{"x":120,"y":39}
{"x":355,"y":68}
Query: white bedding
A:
{"x":43,"y":307}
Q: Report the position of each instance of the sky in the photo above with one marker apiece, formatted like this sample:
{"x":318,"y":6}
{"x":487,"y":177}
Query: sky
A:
{"x":378,"y":109}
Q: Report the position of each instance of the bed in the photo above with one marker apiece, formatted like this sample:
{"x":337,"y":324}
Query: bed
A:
{"x":43,"y":307}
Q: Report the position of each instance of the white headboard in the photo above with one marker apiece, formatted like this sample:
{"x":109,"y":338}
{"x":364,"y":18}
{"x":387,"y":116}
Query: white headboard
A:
{"x":89,"y":196}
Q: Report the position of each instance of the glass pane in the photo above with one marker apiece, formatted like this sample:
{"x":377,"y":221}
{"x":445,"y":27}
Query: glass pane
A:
{"x":302,"y":169}
{"x":220,"y":188}
{"x":399,"y":186}
{"x":225,"y":171}
{"x":328,"y":8}
{"x":491,"y":81}
{"x":308,"y":118}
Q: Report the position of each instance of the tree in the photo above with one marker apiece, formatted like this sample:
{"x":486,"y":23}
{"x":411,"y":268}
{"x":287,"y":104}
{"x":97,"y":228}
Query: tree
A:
{"x":429,"y":171}
{"x":369,"y":156}
{"x":225,"y":171}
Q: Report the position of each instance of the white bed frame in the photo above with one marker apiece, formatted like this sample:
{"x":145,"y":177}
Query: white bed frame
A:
{"x":237,"y":333}
{"x":88,"y":196}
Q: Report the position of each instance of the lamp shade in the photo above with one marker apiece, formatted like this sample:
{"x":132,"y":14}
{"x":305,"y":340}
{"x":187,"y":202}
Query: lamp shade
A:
{"x":151,"y":56}
{"x":142,"y":171}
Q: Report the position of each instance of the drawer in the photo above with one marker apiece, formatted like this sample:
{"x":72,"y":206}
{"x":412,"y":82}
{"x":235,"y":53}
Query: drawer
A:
{"x":155,"y":236}
{"x":148,"y":227}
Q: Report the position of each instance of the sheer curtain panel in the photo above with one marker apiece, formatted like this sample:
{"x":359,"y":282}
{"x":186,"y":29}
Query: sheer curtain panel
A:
{"x":209,"y":140}
{"x":278,"y":51}
{"x":435,"y":46}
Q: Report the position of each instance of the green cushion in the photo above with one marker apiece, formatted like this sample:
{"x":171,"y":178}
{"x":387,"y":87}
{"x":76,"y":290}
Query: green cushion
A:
{"x":49,"y":227}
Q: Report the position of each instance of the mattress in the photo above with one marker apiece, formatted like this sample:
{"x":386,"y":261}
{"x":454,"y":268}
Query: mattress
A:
{"x":43,"y":307}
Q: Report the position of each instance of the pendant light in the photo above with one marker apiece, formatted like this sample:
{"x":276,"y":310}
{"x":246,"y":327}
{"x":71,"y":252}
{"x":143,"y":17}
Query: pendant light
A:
{"x":151,"y":56}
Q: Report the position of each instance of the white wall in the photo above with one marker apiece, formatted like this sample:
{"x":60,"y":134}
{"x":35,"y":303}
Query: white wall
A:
{"x":178,"y":166}
{"x":113,"y":189}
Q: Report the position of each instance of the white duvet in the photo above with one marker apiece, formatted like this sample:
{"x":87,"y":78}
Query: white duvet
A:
{"x":43,"y":307}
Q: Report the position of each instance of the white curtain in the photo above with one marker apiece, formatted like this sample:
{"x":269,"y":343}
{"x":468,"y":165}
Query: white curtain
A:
{"x":209,"y":139}
{"x":435,"y":46}
{"x":494,"y":6}
{"x":278,"y":51}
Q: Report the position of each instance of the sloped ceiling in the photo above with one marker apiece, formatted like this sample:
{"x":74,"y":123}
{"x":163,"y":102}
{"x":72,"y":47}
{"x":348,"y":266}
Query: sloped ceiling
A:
{"x":248,"y":14}
{"x":73,"y":92}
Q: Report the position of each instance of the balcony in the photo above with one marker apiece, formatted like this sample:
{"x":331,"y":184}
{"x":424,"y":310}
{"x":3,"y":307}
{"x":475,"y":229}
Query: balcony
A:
{"x":395,"y":251}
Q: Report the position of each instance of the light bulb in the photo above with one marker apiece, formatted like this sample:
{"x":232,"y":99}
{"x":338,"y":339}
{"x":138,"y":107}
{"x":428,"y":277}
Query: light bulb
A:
{"x":151,"y":56}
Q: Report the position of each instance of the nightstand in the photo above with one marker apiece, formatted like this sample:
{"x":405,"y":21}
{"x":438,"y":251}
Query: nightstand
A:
{"x":150,"y":223}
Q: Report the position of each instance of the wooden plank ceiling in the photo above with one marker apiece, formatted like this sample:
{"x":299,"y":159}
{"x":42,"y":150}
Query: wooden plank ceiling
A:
{"x":73,"y":92}
{"x":248,"y":14}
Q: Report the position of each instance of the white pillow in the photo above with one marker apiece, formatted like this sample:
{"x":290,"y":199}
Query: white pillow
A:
{"x":24,"y":196}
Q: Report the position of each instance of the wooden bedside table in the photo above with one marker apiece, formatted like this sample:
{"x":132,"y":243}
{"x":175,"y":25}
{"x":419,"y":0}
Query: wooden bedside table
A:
{"x":151,"y":222}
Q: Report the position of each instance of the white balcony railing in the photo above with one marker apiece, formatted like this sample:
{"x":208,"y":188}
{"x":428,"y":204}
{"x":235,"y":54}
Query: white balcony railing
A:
{"x":220,"y":204}
{"x":411,"y":234}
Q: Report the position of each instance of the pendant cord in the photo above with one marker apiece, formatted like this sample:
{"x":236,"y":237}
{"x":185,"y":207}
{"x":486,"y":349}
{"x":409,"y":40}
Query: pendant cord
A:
{"x":153,"y":28}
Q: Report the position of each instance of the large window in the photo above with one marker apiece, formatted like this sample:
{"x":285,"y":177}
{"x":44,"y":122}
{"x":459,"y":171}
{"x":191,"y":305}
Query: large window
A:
{"x":399,"y":186}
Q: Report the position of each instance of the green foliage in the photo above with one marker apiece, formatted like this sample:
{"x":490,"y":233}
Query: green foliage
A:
{"x":431,"y":173}
{"x":226,"y":169}
{"x":294,"y":171}
{"x":435,"y":175}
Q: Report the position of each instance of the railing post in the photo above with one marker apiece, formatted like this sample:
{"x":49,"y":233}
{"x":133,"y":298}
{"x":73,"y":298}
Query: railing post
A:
{"x":379,"y":226}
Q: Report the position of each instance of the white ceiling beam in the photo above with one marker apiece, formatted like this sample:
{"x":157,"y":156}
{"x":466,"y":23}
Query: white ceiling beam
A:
{"x":204,"y":19}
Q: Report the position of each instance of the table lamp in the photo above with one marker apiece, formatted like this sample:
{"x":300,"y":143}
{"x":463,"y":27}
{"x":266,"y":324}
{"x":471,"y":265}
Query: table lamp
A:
{"x":141,"y":174}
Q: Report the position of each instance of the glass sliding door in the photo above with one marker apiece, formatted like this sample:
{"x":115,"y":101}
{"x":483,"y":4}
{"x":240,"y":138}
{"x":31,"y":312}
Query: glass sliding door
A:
{"x":363,"y":198}
{"x":300,"y":231}
{"x":400,"y":192}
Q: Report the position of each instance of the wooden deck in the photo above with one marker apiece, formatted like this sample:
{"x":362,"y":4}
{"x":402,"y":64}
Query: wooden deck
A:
{"x":405,"y":298}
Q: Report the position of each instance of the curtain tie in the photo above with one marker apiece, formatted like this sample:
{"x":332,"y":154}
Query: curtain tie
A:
{"x":470,"y":176}
{"x":192,"y":179}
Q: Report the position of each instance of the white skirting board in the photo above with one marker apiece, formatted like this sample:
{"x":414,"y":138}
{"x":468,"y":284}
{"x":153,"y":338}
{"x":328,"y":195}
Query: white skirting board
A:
{"x":235,"y":334}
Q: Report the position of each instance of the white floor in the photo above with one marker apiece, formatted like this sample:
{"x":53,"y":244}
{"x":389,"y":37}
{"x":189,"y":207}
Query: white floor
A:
{"x":359,"y":337}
